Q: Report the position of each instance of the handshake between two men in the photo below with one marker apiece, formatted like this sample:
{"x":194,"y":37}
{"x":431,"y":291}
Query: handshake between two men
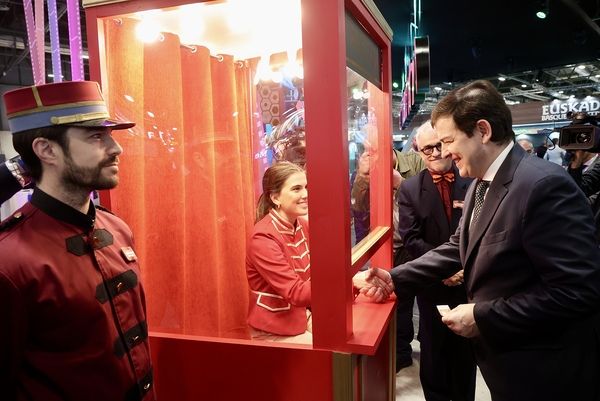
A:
{"x":377,"y":285}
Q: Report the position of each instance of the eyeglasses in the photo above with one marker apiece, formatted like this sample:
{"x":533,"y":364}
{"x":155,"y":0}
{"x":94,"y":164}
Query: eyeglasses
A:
{"x":428,"y":150}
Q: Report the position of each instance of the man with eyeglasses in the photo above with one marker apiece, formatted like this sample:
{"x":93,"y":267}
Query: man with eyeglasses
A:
{"x":430,"y":208}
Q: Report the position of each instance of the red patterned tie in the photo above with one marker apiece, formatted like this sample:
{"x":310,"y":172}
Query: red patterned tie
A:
{"x":448,"y":176}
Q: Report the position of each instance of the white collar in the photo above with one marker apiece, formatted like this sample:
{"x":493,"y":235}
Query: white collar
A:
{"x":495,"y":166}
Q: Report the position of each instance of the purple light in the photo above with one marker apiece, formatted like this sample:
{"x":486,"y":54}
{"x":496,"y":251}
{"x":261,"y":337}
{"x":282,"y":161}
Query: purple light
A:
{"x":38,"y":73}
{"x":54,"y":40}
{"x":75,"y":40}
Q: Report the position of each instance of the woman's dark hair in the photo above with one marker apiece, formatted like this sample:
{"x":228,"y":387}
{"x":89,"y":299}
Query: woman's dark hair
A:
{"x":476,"y":101}
{"x":23,"y":141}
{"x":272,"y":183}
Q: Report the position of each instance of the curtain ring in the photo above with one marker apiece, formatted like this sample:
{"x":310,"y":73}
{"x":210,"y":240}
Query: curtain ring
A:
{"x":191,"y":48}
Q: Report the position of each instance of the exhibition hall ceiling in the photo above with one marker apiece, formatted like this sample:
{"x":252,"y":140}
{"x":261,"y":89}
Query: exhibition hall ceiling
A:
{"x":528,"y":58}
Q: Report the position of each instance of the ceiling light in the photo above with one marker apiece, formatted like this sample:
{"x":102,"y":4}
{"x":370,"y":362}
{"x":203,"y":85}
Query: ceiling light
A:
{"x":542,"y":10}
{"x":395,"y":85}
{"x":561,"y":92}
{"x":581,"y":67}
{"x":501,"y":79}
{"x":523,"y":86}
{"x":597,"y":76}
{"x":437,"y":88}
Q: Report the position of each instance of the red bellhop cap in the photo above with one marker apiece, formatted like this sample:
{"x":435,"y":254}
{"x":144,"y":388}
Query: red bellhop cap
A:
{"x":74,"y":103}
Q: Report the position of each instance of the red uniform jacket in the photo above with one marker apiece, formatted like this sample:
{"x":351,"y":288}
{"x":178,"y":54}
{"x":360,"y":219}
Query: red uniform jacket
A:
{"x":278,"y":269}
{"x":72,"y":307}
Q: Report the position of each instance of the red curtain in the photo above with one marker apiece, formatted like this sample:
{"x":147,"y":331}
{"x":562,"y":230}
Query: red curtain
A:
{"x":186,"y":178}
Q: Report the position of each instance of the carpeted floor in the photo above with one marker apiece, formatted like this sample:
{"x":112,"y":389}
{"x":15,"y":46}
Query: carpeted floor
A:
{"x":408,"y":386}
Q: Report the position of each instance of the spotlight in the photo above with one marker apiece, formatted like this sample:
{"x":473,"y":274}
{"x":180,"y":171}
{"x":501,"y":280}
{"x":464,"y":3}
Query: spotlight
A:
{"x":542,"y":10}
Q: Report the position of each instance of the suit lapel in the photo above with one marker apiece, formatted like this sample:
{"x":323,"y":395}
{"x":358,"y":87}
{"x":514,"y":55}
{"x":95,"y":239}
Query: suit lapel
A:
{"x":496,"y":193}
{"x":466,"y":218}
{"x":459,"y":188}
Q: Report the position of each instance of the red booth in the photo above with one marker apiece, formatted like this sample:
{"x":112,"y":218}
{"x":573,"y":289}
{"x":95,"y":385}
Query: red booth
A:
{"x":213,"y":86}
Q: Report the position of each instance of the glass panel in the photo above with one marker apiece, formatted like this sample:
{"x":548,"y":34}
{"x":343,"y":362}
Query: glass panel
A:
{"x":366,"y":116}
{"x":208,"y":84}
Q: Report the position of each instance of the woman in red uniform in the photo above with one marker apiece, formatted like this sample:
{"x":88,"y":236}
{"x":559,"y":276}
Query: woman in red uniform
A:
{"x":278,"y":259}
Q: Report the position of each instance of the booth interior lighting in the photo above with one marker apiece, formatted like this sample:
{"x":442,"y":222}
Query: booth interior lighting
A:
{"x":147,"y":31}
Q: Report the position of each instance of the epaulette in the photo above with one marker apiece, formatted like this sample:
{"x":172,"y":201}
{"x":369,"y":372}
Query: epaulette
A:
{"x":11,"y":221}
{"x":104,"y":209}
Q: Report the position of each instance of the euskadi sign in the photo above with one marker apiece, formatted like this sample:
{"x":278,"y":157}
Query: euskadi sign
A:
{"x":558,"y":109}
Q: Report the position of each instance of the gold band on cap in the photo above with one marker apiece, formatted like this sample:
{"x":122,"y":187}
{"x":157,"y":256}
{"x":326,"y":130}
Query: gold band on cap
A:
{"x":36,"y":96}
{"x":78,"y":118}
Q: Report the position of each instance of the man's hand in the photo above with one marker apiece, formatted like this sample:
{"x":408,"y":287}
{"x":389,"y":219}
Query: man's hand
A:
{"x":461,"y":320}
{"x":374,"y":283}
{"x":455,"y":280}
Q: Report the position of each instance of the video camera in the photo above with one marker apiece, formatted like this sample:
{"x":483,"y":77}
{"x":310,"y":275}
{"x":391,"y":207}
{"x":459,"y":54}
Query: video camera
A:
{"x":582,"y":134}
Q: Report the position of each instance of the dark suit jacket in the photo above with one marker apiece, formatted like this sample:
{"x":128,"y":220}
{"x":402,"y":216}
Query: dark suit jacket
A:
{"x":589,"y":182}
{"x":8,"y":184}
{"x":423,"y":225}
{"x":532,"y":267}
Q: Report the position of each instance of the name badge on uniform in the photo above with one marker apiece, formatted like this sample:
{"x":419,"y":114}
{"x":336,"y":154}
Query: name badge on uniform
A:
{"x":128,"y":254}
{"x":458,"y":204}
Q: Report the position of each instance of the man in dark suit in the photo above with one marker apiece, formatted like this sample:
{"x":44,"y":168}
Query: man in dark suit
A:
{"x":13,"y":178}
{"x":531,"y":262}
{"x":430,"y":207}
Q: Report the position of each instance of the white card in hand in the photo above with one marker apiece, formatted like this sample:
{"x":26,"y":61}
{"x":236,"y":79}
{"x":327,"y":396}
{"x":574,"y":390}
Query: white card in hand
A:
{"x":443,"y":309}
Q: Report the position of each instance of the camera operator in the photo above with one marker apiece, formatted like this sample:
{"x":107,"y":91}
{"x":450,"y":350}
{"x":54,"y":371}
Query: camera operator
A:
{"x":585,"y":170}
{"x":584,"y":164}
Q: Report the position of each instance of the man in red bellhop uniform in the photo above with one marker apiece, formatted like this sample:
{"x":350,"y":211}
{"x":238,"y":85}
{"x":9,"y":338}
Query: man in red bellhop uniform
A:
{"x":71,"y":302}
